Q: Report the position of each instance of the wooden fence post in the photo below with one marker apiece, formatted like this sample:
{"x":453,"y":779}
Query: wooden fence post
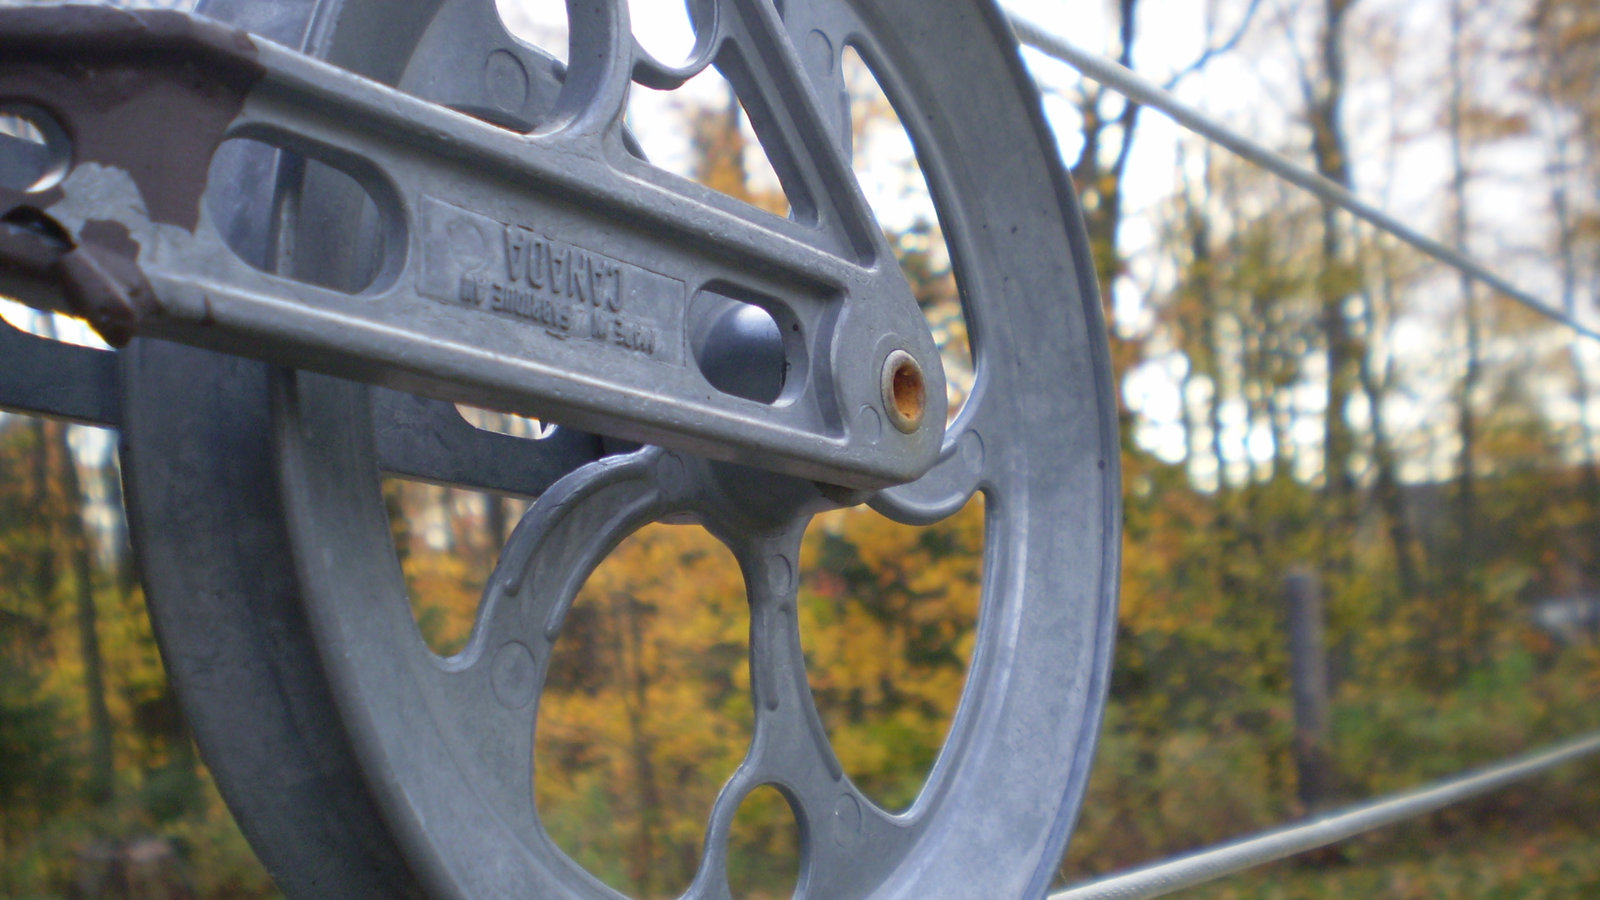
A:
{"x":1308,"y":673}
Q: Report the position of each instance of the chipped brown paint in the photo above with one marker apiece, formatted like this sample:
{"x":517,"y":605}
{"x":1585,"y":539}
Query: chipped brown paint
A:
{"x":102,"y":281}
{"x":151,"y":92}
{"x":98,"y":274}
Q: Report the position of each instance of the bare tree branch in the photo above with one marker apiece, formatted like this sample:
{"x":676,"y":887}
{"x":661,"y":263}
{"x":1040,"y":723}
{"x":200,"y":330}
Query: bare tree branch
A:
{"x":1213,"y":52}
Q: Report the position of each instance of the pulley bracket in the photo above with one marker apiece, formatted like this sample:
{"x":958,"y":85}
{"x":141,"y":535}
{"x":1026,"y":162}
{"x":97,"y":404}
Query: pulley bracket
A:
{"x":550,"y":273}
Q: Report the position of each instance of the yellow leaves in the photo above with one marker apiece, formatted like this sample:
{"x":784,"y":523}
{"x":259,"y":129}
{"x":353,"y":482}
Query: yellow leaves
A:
{"x":444,"y":598}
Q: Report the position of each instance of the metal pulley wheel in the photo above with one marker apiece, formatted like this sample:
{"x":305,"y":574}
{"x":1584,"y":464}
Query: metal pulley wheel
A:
{"x":360,"y":764}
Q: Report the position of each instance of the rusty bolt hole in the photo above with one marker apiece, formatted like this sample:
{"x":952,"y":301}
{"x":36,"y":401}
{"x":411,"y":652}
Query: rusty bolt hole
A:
{"x":905,"y":394}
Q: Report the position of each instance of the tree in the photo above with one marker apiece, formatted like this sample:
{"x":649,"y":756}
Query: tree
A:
{"x":35,"y":764}
{"x":1324,"y":93}
{"x":1562,"y":60}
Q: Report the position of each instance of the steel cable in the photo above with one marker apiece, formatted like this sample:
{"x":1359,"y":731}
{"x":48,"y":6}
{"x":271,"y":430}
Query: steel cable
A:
{"x":1208,"y":865}
{"x":1140,"y":90}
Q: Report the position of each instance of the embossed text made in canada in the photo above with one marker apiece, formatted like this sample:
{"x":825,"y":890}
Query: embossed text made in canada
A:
{"x":561,"y":270}
{"x":570,"y":291}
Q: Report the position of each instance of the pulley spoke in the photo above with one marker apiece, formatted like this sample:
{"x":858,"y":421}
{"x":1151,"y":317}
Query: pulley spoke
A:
{"x":429,"y":440}
{"x":765,"y":67}
{"x":847,"y":835}
{"x":560,"y":540}
{"x":488,"y":692}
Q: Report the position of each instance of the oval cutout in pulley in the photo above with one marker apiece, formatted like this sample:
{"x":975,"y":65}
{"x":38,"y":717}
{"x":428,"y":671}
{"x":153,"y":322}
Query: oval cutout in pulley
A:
{"x":321,"y":202}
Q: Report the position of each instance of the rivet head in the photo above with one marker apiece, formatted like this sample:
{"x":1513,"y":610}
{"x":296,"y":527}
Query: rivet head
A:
{"x":905,"y":394}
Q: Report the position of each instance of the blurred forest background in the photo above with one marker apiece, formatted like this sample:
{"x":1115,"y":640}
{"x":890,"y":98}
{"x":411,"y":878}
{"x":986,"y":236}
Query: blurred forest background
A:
{"x":1305,"y":401}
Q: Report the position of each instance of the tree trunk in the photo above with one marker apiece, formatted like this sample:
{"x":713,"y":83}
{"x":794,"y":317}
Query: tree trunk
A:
{"x":494,"y":522}
{"x":636,"y":687}
{"x":42,"y":496}
{"x":1566,"y":255}
{"x":1331,"y":157}
{"x":75,"y":536}
{"x":1390,"y":498}
{"x":1467,"y":424}
{"x":1100,"y":186}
